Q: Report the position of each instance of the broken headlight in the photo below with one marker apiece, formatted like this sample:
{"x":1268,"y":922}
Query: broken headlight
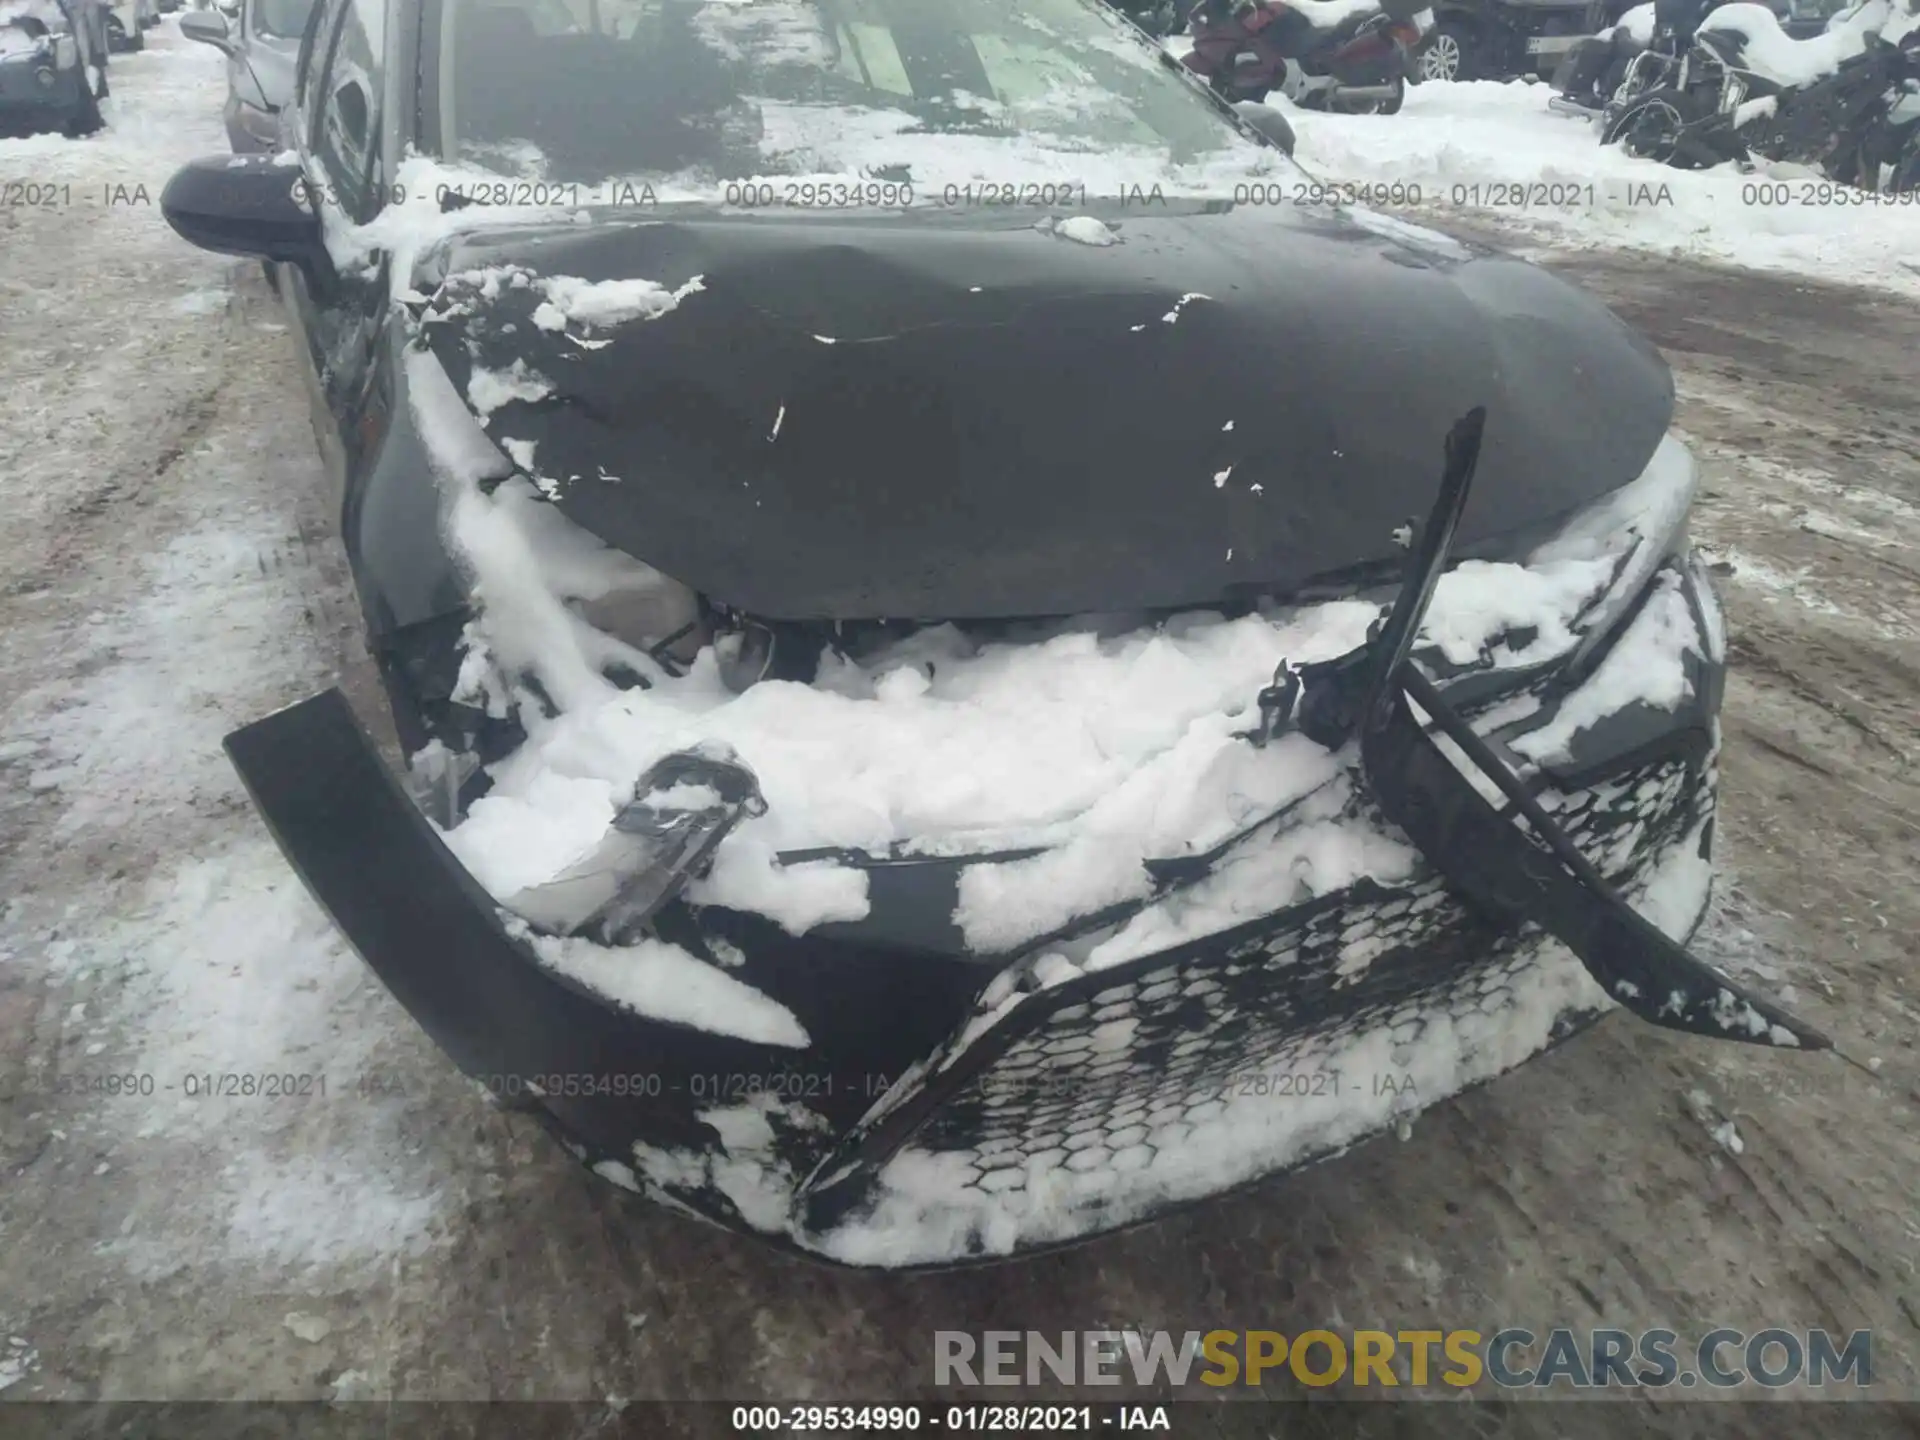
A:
{"x":665,"y":835}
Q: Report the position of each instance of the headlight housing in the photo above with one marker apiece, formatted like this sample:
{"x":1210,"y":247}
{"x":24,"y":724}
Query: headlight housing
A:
{"x":1641,"y":525}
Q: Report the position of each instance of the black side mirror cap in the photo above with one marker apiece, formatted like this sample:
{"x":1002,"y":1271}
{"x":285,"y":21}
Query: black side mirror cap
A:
{"x":248,"y":205}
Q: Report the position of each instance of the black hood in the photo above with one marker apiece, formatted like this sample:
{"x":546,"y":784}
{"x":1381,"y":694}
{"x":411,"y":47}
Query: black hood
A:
{"x":959,"y":415}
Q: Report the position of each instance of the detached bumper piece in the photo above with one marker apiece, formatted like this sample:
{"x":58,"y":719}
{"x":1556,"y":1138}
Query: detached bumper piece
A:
{"x":953,"y":1108}
{"x":1512,"y":878}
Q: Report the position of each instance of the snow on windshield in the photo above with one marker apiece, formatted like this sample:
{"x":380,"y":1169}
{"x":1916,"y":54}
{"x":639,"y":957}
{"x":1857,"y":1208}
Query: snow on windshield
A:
{"x":925,"y":92}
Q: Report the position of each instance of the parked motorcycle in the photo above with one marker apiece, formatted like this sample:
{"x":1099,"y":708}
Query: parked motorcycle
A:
{"x":1744,"y":88}
{"x":1887,"y":153}
{"x":1596,"y":68}
{"x":1663,"y":62}
{"x":1351,"y":56}
{"x":1159,"y":18}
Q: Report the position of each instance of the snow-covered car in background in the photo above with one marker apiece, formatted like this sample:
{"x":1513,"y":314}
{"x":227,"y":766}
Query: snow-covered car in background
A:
{"x":262,"y":45}
{"x":952,"y":706}
{"x":128,"y":22}
{"x":51,"y":76}
{"x":1500,"y":39}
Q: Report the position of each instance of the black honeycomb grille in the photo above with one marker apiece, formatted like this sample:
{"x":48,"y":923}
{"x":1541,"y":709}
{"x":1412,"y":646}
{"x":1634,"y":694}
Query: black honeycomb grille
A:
{"x":1075,"y":1088}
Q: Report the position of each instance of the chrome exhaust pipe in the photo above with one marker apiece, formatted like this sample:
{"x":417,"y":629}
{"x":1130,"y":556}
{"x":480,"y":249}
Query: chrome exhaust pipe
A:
{"x":1360,"y":94}
{"x":1560,"y":105}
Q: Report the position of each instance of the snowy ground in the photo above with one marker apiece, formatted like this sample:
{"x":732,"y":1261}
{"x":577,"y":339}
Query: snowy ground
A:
{"x":1491,"y":147}
{"x":165,"y":574}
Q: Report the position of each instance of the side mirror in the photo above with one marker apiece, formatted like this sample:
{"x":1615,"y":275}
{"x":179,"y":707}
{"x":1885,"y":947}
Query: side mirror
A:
{"x":248,"y":205}
{"x":209,"y":27}
{"x":1271,"y":124}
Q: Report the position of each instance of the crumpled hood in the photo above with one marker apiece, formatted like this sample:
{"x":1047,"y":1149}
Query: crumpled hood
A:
{"x":960,"y":415}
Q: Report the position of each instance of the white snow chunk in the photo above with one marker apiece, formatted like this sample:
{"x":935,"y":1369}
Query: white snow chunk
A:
{"x":310,"y":1328}
{"x":664,"y":982}
{"x":1087,"y":230}
{"x":1172,"y":317}
{"x":746,"y":876}
{"x":746,"y":1168}
{"x":488,"y":390}
{"x":1637,"y":23}
{"x":619,"y":1174}
{"x":1647,"y":665}
{"x":456,"y":445}
{"x":520,"y":452}
{"x":19,"y":1361}
{"x":1764,"y":107}
{"x":597,"y":304}
{"x":353,"y":1387}
{"x":1775,"y":55}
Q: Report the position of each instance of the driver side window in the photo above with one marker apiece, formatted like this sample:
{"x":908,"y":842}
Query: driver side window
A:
{"x":343,"y":102}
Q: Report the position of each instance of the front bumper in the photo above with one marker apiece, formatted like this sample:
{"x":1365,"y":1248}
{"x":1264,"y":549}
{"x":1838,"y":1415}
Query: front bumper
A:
{"x":948,"y":1107}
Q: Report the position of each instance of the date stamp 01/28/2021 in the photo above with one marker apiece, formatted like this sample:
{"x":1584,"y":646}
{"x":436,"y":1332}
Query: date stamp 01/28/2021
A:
{"x":715,"y":1089}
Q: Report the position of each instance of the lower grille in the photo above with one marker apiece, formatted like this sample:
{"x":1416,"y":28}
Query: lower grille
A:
{"x":1097,"y":1102}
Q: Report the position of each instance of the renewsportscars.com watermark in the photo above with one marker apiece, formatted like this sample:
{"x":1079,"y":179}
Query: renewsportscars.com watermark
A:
{"x":1719,"y":1359}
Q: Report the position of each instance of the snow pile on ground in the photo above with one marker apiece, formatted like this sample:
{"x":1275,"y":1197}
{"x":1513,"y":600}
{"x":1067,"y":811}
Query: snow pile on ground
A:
{"x":1487,"y":150}
{"x":184,"y":954}
{"x":218,"y":965}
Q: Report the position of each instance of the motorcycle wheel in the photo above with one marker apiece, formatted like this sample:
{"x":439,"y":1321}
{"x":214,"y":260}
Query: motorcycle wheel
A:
{"x":1906,"y":174}
{"x":1387,"y":107}
{"x":1653,"y":128}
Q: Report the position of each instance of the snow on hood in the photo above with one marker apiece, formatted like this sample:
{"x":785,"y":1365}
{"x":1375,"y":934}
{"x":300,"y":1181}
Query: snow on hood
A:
{"x":1106,"y":743}
{"x":1331,"y":14}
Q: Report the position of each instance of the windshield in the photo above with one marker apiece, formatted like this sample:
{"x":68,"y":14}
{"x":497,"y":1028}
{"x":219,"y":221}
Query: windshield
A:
{"x":284,"y":19}
{"x":917,"y":91}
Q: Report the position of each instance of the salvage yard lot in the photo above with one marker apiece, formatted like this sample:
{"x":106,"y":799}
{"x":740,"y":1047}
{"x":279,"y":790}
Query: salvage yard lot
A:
{"x":166,"y":573}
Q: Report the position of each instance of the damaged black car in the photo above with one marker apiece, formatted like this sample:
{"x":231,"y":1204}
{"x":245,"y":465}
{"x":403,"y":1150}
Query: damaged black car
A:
{"x":975,"y":662}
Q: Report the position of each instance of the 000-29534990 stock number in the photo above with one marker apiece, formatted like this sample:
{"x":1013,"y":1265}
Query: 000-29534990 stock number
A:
{"x":893,"y":1419}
